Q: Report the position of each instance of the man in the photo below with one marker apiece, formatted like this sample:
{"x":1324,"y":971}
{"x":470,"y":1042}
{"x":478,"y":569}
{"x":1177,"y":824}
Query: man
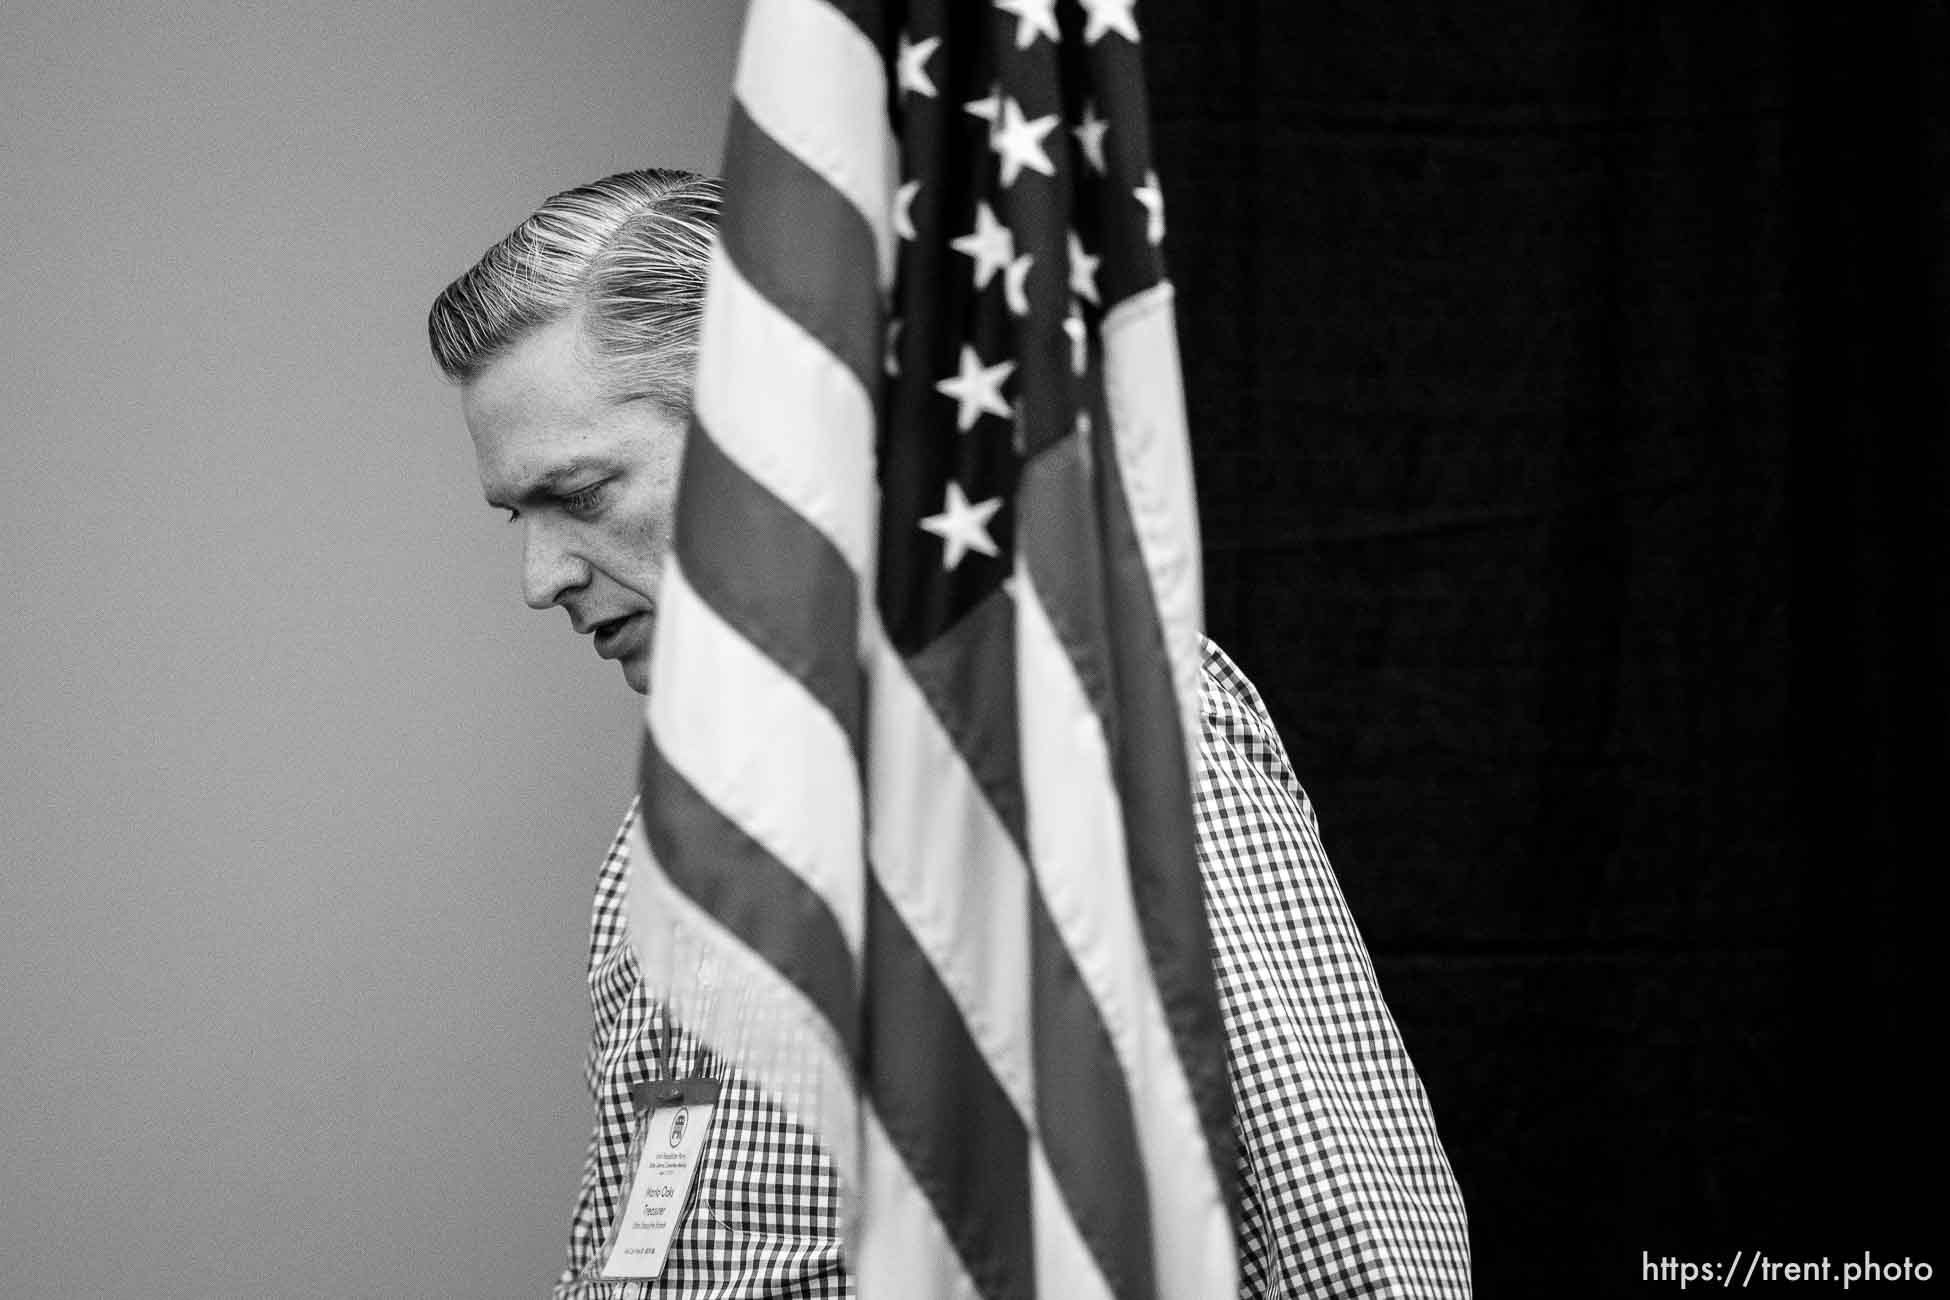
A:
{"x":573,"y":341}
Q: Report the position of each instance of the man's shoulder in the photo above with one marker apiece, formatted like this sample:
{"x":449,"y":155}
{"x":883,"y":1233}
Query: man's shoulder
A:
{"x":616,"y":861}
{"x":1232,"y":712}
{"x":606,"y":921}
{"x":1224,"y":689}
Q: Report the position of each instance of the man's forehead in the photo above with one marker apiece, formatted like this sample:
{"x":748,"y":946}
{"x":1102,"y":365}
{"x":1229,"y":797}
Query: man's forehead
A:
{"x":536,"y":411}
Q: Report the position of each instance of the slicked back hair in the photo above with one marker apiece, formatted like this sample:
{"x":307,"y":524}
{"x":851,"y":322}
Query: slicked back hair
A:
{"x":629,"y":253}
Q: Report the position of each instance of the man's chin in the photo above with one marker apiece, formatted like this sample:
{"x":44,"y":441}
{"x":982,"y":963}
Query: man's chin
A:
{"x":636,"y":671}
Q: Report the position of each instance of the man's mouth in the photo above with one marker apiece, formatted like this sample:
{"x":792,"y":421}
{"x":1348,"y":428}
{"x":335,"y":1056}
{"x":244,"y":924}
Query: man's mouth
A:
{"x":617,"y":637}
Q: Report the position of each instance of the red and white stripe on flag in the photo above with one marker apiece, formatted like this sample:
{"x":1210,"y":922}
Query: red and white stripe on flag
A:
{"x":922,"y":724}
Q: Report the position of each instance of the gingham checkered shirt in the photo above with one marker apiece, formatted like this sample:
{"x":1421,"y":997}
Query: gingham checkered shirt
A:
{"x":1345,"y":1188}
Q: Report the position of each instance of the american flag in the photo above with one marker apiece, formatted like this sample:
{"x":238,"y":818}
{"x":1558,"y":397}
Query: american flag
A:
{"x":923,"y":716}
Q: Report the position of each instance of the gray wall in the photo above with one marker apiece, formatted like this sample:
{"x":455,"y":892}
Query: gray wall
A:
{"x":300,"y":808}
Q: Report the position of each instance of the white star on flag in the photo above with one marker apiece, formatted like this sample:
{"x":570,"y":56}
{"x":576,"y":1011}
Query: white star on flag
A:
{"x":1079,"y":339}
{"x":904,"y":209}
{"x":1153,"y":200}
{"x":977,"y":388}
{"x":1014,"y":291}
{"x":1019,"y":142}
{"x":962,"y":527}
{"x":913,"y":60}
{"x":1032,"y":17}
{"x":1083,"y":271}
{"x":1090,"y":135}
{"x":991,"y":245}
{"x":1109,"y":16}
{"x":986,"y":109}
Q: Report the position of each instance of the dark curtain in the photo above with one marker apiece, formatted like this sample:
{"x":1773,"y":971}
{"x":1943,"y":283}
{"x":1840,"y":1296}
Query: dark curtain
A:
{"x":1568,"y":383}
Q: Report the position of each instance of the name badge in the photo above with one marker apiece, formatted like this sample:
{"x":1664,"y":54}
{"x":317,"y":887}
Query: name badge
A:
{"x":673,"y":1119}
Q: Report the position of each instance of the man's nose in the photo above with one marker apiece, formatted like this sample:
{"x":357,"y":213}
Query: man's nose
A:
{"x":549,"y":566}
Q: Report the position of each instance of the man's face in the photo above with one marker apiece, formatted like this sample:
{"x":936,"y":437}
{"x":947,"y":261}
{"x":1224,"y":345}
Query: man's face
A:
{"x":591,"y":480}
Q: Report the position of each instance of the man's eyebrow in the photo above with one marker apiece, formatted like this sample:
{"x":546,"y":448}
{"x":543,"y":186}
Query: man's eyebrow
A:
{"x":548,"y":483}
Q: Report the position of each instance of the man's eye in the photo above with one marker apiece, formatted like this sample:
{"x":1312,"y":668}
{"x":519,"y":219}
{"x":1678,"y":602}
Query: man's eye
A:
{"x":584,"y":501}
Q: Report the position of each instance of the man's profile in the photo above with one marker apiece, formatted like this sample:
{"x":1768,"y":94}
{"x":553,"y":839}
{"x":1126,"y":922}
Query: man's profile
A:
{"x":573,"y":342}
